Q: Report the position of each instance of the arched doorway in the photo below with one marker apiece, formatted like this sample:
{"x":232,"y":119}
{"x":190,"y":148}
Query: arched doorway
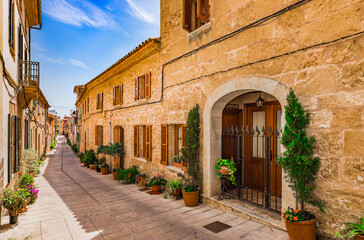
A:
{"x":119,"y":138}
{"x":216,"y":111}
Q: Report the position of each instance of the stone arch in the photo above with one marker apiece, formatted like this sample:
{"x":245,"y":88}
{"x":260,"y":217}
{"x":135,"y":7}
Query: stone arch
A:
{"x":212,"y":124}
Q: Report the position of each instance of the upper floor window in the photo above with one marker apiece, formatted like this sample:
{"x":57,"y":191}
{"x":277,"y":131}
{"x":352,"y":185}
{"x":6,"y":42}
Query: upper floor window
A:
{"x":88,"y":105}
{"x":11,"y":25}
{"x":118,"y":95}
{"x":99,"y":101}
{"x":195,"y":13}
{"x":143,"y":86}
{"x":99,"y":135}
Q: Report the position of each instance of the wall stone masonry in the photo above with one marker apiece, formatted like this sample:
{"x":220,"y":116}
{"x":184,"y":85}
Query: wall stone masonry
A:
{"x":272,"y":57}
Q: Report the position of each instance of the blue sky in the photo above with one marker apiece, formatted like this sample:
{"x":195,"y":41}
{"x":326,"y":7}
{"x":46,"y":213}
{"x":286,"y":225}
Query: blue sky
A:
{"x":81,"y":38}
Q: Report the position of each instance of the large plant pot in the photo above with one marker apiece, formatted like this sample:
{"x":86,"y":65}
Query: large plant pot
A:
{"x":359,"y":237}
{"x":115,"y":175}
{"x":104,"y":170}
{"x":304,"y":230}
{"x":142,"y":181}
{"x":176,"y":192}
{"x":224,"y":170}
{"x":156,"y":189}
{"x":92,"y":167}
{"x":191,"y":198}
{"x":13,"y":219}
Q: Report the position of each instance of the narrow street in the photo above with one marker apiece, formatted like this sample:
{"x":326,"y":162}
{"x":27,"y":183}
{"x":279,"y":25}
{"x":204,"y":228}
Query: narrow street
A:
{"x":76,"y":203}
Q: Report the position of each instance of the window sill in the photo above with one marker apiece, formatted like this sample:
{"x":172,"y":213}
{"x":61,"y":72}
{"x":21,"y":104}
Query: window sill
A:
{"x":141,"y":160}
{"x":197,"y":33}
{"x":175,"y":169}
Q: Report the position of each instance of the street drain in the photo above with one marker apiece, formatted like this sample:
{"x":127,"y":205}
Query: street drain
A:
{"x":217,"y":227}
{"x":143,"y":189}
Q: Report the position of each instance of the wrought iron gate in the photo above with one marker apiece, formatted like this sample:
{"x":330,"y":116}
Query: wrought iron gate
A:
{"x":259,"y":178}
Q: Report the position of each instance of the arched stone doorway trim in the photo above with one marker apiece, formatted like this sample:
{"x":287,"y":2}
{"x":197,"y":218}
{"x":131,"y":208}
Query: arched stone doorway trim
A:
{"x":212,"y":121}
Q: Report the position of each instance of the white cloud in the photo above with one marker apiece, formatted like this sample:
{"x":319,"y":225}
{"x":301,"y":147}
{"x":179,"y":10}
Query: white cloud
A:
{"x":146,"y":10}
{"x":78,"y":13}
{"x":78,"y":63}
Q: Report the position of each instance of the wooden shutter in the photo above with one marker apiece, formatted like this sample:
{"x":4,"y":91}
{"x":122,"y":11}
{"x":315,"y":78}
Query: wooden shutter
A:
{"x":203,"y":8}
{"x":17,"y":144}
{"x":10,"y":146}
{"x":184,"y":131}
{"x":164,"y":145}
{"x":148,"y":144}
{"x":102,"y":100}
{"x":147,"y":88}
{"x":137,"y":88}
{"x":101,"y":135}
{"x":186,"y":14}
{"x":136,"y":141}
{"x":114,"y":96}
{"x":121,"y":94}
{"x":88,"y":105}
{"x":97,"y":101}
{"x":96,"y":141}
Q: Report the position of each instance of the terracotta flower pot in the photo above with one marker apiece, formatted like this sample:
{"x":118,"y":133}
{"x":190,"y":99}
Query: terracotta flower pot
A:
{"x":92,"y":167}
{"x":303,"y":230}
{"x":156,"y":189}
{"x":13,"y":219}
{"x":359,"y":237}
{"x":84,"y":164}
{"x":115,"y":175}
{"x":104,"y":170}
{"x":141,"y":182}
{"x":224,"y":170}
{"x":191,"y":198}
{"x":176,"y":192}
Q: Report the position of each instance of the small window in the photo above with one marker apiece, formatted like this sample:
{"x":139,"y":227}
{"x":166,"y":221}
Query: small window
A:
{"x":143,"y":142}
{"x":99,"y":101}
{"x":195,"y":13}
{"x":88,"y":105}
{"x":99,"y":135}
{"x":118,"y":95}
{"x":143,"y":86}
{"x":11,"y":25}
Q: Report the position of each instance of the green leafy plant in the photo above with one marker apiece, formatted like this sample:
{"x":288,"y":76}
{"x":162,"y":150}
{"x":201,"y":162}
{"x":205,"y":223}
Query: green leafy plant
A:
{"x":191,"y":151}
{"x":14,"y":200}
{"x":352,"y":229}
{"x":25,"y":180}
{"x":157,"y":180}
{"x":75,"y":148}
{"x":103,"y":162}
{"x":172,"y":185}
{"x":298,"y":161}
{"x":293,"y":215}
{"x":128,"y":175}
{"x":230,"y":164}
{"x":80,"y":155}
{"x":113,"y":149}
{"x":32,"y":193}
{"x":29,"y":161}
{"x":89,"y":157}
{"x":177,"y":159}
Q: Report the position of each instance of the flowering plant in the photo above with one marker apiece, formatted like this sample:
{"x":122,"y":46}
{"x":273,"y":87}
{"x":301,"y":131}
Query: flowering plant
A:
{"x":140,"y":175}
{"x":33,"y":193}
{"x":157,"y":180}
{"x":293,"y":215}
{"x":14,"y":200}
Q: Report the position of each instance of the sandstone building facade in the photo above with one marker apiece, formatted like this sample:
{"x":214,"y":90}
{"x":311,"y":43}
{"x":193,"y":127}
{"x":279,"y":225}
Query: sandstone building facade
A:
{"x":224,"y":56}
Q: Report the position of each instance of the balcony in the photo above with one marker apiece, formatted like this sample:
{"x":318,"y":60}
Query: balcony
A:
{"x":29,"y":73}
{"x":29,"y":80}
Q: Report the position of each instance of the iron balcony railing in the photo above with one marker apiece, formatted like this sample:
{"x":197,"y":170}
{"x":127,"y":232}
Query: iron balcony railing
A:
{"x":28,"y":73}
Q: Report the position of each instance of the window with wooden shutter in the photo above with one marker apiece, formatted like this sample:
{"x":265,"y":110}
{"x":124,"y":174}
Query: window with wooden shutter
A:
{"x":147,"y":85}
{"x":137,"y":88}
{"x":114,"y":96}
{"x":10,"y":146}
{"x":121,"y":94}
{"x":164,"y":145}
{"x":136,"y":141}
{"x":148,"y":143}
{"x":195,"y":13}
{"x":187,"y":15}
{"x":101,"y":135}
{"x":11,"y":26}
{"x":102,"y":100}
{"x":88,"y":105}
{"x":203,"y":10}
{"x":96,"y":135}
{"x":17,"y":144}
{"x":97,"y":101}
{"x":117,"y":95}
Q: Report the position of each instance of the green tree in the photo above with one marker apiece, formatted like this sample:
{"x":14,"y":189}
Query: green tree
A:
{"x":297,"y":161}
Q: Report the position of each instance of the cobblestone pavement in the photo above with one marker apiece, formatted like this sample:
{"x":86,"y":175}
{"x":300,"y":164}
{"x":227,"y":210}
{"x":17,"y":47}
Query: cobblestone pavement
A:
{"x":77,"y":203}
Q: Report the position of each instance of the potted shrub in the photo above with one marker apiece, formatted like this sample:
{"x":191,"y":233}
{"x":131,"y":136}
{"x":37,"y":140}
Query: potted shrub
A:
{"x":25,"y":180}
{"x":141,"y":179}
{"x":14,"y":200}
{"x":29,"y":161}
{"x":90,"y":157}
{"x":128,"y":175}
{"x":115,"y":173}
{"x":80,"y":155}
{"x":104,"y":166}
{"x":174,"y":187}
{"x":156,"y":182}
{"x":190,"y":157}
{"x":98,"y":166}
{"x":227,"y":168}
{"x":301,"y":168}
{"x":354,"y":230}
{"x":114,"y":150}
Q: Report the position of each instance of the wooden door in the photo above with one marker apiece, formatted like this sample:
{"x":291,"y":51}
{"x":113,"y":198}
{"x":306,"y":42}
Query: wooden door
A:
{"x":231,"y":118}
{"x":255,"y":147}
{"x":119,"y":138}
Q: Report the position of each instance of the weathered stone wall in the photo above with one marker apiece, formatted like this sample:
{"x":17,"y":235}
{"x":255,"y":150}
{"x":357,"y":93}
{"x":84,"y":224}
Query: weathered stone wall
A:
{"x":300,"y":49}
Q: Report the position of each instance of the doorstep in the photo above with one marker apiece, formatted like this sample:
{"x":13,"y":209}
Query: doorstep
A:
{"x":246,"y":210}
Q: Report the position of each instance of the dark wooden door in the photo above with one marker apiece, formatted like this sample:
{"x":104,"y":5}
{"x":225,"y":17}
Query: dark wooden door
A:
{"x":119,"y":138}
{"x":231,"y":118}
{"x":255,"y":147}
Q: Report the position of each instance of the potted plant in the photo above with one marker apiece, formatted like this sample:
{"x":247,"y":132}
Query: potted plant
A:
{"x":177,"y":161}
{"x":174,"y":187}
{"x":156,"y":182}
{"x":104,"y":166}
{"x":14,"y":200}
{"x":30,"y":162}
{"x":354,"y":230}
{"x":301,"y":168}
{"x":115,"y":173}
{"x":90,"y":157}
{"x":141,"y":179}
{"x":190,"y":157}
{"x":98,"y":166}
{"x":80,"y":155}
{"x":114,"y":150}
{"x":128,"y":175}
{"x":227,"y":168}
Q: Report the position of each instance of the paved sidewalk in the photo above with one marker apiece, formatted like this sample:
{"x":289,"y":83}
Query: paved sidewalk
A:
{"x":77,"y":203}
